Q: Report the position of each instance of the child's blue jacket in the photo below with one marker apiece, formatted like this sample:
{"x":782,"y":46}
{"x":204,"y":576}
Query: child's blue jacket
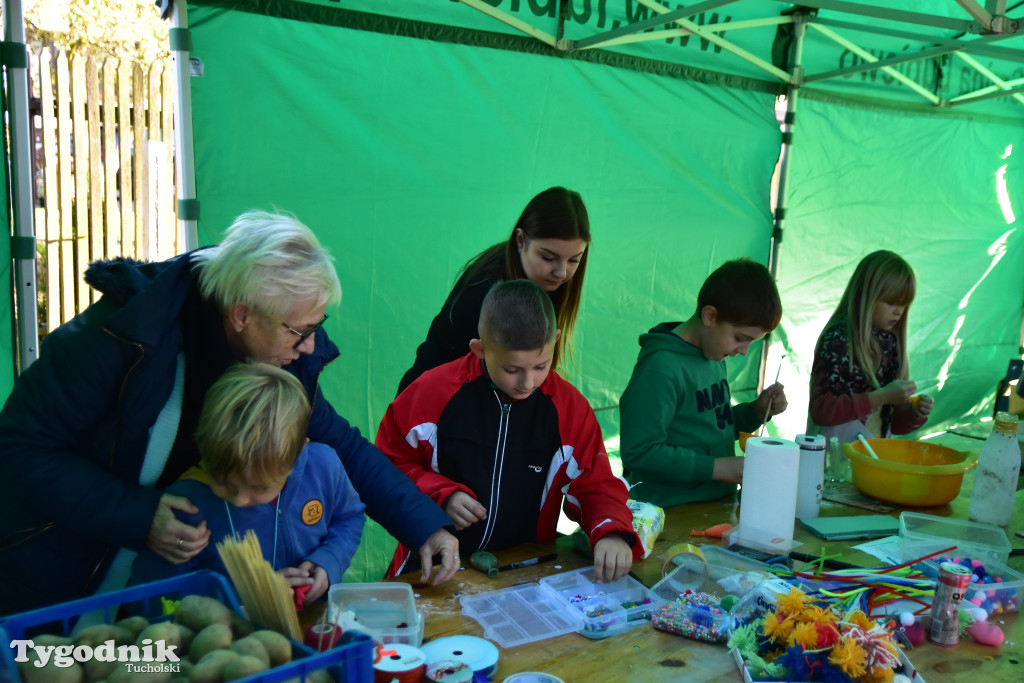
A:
{"x":320,"y":519}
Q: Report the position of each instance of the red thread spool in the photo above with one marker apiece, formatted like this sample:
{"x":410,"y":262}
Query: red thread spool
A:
{"x":398,"y":662}
{"x":322,"y":636}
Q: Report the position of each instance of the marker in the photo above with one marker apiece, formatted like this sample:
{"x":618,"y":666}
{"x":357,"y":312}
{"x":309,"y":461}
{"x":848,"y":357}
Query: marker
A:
{"x":527,"y":563}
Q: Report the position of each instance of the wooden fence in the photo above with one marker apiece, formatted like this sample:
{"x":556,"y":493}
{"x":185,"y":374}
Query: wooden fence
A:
{"x":103,"y":170}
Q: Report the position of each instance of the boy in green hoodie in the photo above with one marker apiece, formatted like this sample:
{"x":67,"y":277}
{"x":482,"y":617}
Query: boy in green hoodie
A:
{"x":678,"y":424}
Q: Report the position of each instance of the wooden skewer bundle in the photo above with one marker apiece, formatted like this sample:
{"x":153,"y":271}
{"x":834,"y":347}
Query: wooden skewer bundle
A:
{"x":266,"y":595}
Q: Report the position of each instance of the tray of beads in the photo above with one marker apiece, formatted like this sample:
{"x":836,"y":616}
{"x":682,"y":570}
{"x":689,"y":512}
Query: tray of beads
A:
{"x":995,"y":588}
{"x":607,"y":608}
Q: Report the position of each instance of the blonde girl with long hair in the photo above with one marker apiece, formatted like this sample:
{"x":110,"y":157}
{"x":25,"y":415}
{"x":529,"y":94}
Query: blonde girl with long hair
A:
{"x":860,"y":378}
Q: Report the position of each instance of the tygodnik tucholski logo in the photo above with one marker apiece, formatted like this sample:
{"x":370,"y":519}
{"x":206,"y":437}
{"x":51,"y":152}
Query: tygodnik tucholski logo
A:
{"x":151,"y":657}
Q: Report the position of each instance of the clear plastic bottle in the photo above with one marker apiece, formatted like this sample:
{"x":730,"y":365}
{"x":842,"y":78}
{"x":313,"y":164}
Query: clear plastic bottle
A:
{"x":995,"y":479}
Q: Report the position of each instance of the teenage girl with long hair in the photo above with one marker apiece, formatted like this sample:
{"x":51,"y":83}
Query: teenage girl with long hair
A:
{"x":860,"y":376}
{"x":548,"y":245}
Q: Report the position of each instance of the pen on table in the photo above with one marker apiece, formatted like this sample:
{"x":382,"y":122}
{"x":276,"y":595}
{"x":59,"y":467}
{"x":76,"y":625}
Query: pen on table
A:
{"x":527,"y":563}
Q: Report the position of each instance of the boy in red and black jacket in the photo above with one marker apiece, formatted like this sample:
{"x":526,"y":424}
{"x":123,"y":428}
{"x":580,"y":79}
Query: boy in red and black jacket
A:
{"x":499,"y":441}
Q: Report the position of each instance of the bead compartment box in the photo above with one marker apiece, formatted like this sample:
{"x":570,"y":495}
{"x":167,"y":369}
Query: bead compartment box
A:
{"x":607,"y":608}
{"x":995,"y":588}
{"x":521,"y":614}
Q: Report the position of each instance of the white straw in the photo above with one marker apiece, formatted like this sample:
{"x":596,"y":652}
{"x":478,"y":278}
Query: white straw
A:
{"x":867,"y":446}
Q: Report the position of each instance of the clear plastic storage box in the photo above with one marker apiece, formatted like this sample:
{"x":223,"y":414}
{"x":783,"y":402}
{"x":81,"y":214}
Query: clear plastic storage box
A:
{"x":559,"y":604}
{"x":386,"y":611}
{"x":922,"y":534}
{"x":607,"y":608}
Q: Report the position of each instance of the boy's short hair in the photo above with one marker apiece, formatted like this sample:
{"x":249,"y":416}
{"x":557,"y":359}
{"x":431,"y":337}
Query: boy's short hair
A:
{"x":268,"y":261}
{"x":743,"y":292}
{"x":254,"y":414}
{"x":517,"y":315}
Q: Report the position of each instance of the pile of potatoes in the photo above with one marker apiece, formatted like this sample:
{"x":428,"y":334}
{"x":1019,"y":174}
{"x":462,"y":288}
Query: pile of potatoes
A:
{"x":212,"y":642}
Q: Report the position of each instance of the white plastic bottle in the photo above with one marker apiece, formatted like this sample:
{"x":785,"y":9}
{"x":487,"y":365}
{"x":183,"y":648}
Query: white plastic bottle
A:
{"x":995,"y":480}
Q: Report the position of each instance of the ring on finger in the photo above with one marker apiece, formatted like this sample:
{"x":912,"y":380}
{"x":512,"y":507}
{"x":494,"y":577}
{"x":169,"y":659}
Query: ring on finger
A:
{"x":181,"y":541}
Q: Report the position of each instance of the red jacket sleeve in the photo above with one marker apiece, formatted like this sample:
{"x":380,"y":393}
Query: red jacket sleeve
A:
{"x":408,"y":434}
{"x":594,"y":496}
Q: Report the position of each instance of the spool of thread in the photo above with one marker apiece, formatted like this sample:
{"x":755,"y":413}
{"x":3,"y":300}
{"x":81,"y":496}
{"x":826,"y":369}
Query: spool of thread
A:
{"x":398,"y":662}
{"x":322,"y":636}
{"x":812,"y":475}
{"x":533,"y":677}
{"x":485,"y":562}
{"x":449,"y":671}
{"x":768,"y":499}
{"x":478,"y":654}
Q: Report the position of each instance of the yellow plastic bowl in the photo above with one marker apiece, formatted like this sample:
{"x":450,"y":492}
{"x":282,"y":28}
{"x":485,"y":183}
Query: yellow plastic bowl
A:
{"x":913,"y":473}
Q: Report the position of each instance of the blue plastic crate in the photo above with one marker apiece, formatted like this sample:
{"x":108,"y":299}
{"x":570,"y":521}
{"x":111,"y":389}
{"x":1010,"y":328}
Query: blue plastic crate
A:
{"x":351,"y":663}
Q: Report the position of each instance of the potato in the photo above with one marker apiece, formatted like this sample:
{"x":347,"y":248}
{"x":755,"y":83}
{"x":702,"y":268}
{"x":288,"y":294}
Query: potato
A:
{"x":94,"y":636}
{"x":171,"y":634}
{"x":243,"y":666}
{"x":213,"y":637}
{"x":198,"y":611}
{"x":239,"y":626}
{"x":134,"y":624}
{"x":252,"y":647}
{"x":185,"y":638}
{"x":51,"y":673}
{"x":95,"y":670}
{"x":47,"y":639}
{"x":123,"y":675}
{"x":210,"y":669}
{"x":278,"y":647}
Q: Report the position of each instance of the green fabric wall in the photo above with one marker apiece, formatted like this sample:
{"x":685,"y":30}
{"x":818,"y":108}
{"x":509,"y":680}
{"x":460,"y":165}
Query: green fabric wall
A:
{"x":947,"y":195}
{"x":407,"y":157}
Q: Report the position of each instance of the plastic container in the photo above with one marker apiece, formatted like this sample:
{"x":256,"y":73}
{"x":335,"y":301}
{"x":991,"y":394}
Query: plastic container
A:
{"x":727,"y":573}
{"x":1003,"y":594}
{"x":922,"y":534}
{"x":386,"y":611}
{"x":607,"y":608}
{"x":352,"y":662}
{"x":522,"y":614}
{"x":560,"y":604}
{"x":912,"y":473}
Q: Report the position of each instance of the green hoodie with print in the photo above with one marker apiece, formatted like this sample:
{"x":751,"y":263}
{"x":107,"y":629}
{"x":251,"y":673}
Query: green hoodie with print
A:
{"x":676,"y":418}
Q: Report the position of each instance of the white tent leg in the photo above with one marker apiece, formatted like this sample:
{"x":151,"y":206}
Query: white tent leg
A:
{"x":21,"y":183}
{"x":188,"y":207}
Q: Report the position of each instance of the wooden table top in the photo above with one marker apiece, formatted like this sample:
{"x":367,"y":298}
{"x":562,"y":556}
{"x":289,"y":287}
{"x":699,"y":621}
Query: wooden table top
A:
{"x":647,"y":654}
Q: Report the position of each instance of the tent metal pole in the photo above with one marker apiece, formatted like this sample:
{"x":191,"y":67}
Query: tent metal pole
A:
{"x":188,"y":207}
{"x":781,"y":190}
{"x":24,"y":241}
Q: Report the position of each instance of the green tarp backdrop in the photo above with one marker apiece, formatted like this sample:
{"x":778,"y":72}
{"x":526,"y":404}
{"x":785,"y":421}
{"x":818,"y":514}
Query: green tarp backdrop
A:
{"x":410,"y":135}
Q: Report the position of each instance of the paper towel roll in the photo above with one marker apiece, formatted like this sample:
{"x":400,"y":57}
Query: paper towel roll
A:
{"x":768,"y":497}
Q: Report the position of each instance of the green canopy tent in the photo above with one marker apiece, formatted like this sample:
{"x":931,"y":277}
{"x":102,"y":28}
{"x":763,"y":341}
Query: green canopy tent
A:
{"x":409,"y":134}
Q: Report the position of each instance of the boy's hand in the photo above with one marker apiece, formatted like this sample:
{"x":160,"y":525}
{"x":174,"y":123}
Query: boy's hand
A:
{"x":447,"y":546}
{"x":612,"y":558}
{"x":172,"y":539}
{"x":463,"y":509}
{"x":307,"y":574}
{"x":771,"y":401}
{"x":728,"y":470}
